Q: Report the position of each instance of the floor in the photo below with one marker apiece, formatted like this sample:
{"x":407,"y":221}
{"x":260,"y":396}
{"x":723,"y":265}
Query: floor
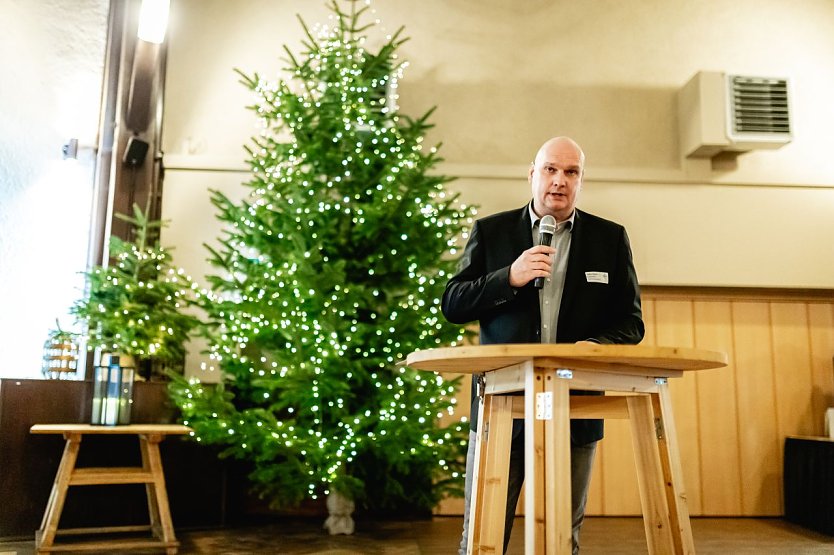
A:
{"x":439,"y":536}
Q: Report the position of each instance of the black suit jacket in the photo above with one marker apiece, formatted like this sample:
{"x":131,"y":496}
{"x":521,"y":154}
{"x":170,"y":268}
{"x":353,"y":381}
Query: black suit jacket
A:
{"x":590,"y":310}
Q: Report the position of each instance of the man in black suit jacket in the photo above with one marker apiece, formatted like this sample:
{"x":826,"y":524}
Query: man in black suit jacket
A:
{"x":590,"y":294}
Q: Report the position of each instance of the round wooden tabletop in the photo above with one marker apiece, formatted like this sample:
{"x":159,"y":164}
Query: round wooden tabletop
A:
{"x":483,"y":358}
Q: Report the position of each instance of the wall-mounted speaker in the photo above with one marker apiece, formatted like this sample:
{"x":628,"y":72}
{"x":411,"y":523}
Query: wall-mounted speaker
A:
{"x":135,"y":151}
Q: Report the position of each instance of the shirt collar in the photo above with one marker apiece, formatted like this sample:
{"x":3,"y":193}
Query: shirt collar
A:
{"x":534,"y":219}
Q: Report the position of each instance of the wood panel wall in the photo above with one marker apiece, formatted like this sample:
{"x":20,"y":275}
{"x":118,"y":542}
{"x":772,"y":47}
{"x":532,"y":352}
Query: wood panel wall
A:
{"x":731,"y":422}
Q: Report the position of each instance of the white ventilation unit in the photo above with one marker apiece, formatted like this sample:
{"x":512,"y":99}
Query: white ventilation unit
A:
{"x":732,"y":113}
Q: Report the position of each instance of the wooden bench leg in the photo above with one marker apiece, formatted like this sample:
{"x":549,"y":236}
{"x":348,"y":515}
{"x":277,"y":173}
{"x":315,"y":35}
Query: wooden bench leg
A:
{"x":673,"y":473}
{"x":650,"y":479}
{"x":492,"y":480}
{"x":158,"y":507}
{"x":45,"y":537}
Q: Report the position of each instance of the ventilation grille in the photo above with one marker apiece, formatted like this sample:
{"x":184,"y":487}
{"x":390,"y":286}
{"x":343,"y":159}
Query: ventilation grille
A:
{"x":759,"y":105}
{"x":720,"y":112}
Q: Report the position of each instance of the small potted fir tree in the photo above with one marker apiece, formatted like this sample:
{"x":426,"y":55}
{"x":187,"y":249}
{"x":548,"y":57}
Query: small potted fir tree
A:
{"x":135,"y":306}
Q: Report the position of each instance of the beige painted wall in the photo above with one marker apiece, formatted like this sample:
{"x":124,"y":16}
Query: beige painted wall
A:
{"x":505,"y":76}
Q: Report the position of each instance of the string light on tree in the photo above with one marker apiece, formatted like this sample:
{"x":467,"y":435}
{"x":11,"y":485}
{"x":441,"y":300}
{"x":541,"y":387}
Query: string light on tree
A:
{"x":329,"y":273}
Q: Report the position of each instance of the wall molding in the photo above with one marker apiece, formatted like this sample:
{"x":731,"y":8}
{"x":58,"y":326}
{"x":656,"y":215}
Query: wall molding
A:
{"x":694,"y":172}
{"x":730,"y":294}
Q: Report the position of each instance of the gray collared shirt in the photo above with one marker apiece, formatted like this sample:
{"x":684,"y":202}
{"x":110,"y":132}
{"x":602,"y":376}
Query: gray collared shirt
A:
{"x":550,"y":296}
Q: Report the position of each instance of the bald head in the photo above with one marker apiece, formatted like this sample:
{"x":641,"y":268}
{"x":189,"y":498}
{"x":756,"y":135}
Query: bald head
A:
{"x":560,"y":144}
{"x":556,"y":177}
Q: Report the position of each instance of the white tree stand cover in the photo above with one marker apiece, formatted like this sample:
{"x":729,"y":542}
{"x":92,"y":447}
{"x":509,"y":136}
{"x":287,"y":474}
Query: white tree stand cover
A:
{"x":340,"y":509}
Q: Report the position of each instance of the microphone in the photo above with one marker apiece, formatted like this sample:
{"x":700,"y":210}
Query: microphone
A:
{"x":547,"y":227}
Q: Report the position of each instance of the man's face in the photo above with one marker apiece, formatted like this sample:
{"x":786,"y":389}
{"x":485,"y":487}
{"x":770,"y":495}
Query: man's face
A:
{"x":556,"y":178}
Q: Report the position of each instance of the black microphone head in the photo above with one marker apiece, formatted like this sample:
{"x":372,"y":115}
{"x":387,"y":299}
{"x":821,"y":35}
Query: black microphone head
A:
{"x":547,"y":227}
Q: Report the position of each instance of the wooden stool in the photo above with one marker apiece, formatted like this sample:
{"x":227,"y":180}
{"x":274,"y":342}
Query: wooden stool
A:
{"x":150,"y":473}
{"x":545,"y":374}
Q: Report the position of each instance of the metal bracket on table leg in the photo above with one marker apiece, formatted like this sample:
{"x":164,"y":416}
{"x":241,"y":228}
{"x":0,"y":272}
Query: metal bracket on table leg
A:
{"x":658,"y":428}
{"x":544,"y":406}
{"x":480,"y":386}
{"x":658,"y":422}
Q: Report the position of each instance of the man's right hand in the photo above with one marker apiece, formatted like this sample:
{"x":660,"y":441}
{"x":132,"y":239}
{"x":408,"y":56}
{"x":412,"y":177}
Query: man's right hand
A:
{"x":532,"y":263}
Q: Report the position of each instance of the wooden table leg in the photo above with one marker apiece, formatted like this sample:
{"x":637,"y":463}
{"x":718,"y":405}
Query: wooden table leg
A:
{"x":673,"y":472}
{"x":547,"y":464}
{"x":475,"y":501}
{"x":45,"y":537}
{"x":493,"y":475}
{"x":557,"y":472}
{"x":650,"y":479}
{"x":157,"y":494}
{"x":534,"y":507}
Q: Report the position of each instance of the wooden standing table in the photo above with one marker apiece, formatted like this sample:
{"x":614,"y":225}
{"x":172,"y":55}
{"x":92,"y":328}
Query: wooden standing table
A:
{"x":545,"y":373}
{"x":150,"y":473}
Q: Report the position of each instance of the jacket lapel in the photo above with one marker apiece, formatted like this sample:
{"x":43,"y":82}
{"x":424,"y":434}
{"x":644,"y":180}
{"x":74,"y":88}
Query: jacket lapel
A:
{"x":524,"y":229}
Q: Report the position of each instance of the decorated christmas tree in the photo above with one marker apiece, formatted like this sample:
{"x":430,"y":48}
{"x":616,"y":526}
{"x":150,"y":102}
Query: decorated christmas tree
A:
{"x":329,"y":273}
{"x":137,"y":304}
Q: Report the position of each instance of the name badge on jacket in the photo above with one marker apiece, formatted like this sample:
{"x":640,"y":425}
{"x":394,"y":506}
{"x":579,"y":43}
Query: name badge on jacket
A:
{"x":596,"y":277}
